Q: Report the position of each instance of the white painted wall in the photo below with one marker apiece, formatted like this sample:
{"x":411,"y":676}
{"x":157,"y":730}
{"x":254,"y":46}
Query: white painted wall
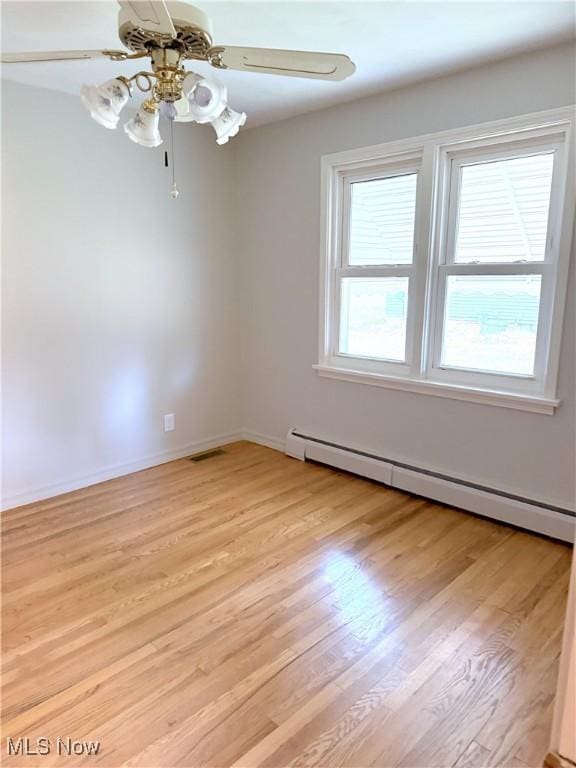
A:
{"x":119,"y":304}
{"x":278,"y":184}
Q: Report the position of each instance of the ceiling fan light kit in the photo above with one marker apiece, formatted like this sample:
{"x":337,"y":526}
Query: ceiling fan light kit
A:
{"x":106,"y":101}
{"x":170,"y":33}
{"x":206,"y":100}
{"x":227,"y":124}
{"x":143,"y":128}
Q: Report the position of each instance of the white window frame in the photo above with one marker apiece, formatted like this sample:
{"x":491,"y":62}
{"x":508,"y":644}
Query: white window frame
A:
{"x":436,"y":158}
{"x":395,"y":166}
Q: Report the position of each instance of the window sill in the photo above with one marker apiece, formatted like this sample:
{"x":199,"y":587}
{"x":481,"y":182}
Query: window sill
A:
{"x":518,"y":402}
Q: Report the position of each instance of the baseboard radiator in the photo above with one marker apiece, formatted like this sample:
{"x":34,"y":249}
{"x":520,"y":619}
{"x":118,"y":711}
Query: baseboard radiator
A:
{"x":557,"y":522}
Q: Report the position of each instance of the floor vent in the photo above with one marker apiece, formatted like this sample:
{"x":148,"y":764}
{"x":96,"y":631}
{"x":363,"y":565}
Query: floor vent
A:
{"x":206,"y":455}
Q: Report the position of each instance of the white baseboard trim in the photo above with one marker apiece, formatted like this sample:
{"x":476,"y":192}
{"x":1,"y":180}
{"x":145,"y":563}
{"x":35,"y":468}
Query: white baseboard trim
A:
{"x":277,"y":443}
{"x":118,"y":470}
{"x":522,"y":513}
{"x":498,"y":505}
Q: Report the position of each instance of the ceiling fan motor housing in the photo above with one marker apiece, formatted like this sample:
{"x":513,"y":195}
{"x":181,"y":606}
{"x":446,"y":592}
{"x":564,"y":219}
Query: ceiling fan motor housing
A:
{"x":169,"y":75}
{"x":193,"y":32}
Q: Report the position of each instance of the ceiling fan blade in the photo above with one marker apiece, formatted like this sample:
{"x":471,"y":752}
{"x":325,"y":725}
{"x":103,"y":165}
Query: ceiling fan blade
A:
{"x":151,"y":15}
{"x":321,"y":66}
{"x":17,"y":58}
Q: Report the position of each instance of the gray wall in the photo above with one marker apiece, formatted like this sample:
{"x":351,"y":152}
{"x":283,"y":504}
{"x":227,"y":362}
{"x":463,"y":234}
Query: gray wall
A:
{"x":119,"y":304}
{"x":278,"y":199}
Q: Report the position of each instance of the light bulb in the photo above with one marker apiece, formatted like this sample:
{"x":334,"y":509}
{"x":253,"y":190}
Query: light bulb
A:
{"x":174,"y":191}
{"x":168,"y":110}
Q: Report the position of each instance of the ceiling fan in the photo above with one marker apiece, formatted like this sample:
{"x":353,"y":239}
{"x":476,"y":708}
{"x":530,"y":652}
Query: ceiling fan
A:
{"x":169,"y":33}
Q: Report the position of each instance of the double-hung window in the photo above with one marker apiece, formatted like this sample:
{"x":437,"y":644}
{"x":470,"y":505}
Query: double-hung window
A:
{"x":445,"y":262}
{"x":375,"y":273}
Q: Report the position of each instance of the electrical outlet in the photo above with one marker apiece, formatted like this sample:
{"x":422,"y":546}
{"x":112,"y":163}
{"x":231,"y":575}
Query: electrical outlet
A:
{"x":169,"y":422}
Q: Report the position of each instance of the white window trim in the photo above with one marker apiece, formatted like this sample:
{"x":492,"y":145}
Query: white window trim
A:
{"x":429,"y":153}
{"x":407,"y":164}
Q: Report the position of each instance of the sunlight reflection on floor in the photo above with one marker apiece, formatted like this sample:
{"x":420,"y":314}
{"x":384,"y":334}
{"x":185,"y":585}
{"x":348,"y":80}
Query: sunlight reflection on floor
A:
{"x":363,"y":603}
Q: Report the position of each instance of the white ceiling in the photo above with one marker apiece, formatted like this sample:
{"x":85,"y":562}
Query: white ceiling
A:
{"x":392,"y":43}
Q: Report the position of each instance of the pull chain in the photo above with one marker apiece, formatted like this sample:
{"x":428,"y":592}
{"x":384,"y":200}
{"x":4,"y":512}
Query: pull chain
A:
{"x":174,"y":191}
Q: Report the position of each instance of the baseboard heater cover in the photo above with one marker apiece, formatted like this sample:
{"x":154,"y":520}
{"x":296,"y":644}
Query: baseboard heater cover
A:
{"x":525,"y":513}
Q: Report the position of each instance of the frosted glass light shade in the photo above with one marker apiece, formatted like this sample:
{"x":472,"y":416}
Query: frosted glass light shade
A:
{"x":143,"y":127}
{"x":227,"y":124}
{"x":106,"y":101}
{"x":182,"y":110}
{"x":189,"y":84}
{"x":206,"y":100}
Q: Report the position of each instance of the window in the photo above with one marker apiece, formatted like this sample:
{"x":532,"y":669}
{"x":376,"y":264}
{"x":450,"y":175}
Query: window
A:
{"x":445,"y":262}
{"x":377,"y":263}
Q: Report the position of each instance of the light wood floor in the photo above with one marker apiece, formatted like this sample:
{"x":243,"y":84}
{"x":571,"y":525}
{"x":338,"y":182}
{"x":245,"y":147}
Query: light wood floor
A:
{"x":252,"y":610}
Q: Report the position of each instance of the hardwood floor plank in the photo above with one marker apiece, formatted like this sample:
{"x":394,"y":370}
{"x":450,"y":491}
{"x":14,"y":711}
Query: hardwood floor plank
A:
{"x":252,"y":610}
{"x":474,"y":756}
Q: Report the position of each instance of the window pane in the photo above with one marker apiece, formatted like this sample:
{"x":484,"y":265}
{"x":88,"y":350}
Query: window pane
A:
{"x":373,"y":317}
{"x":490,"y":322}
{"x":503,"y":213}
{"x":382,"y":220}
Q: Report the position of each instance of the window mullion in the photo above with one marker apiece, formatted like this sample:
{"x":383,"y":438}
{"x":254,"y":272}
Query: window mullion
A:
{"x":419,"y":313}
{"x":439,"y":210}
